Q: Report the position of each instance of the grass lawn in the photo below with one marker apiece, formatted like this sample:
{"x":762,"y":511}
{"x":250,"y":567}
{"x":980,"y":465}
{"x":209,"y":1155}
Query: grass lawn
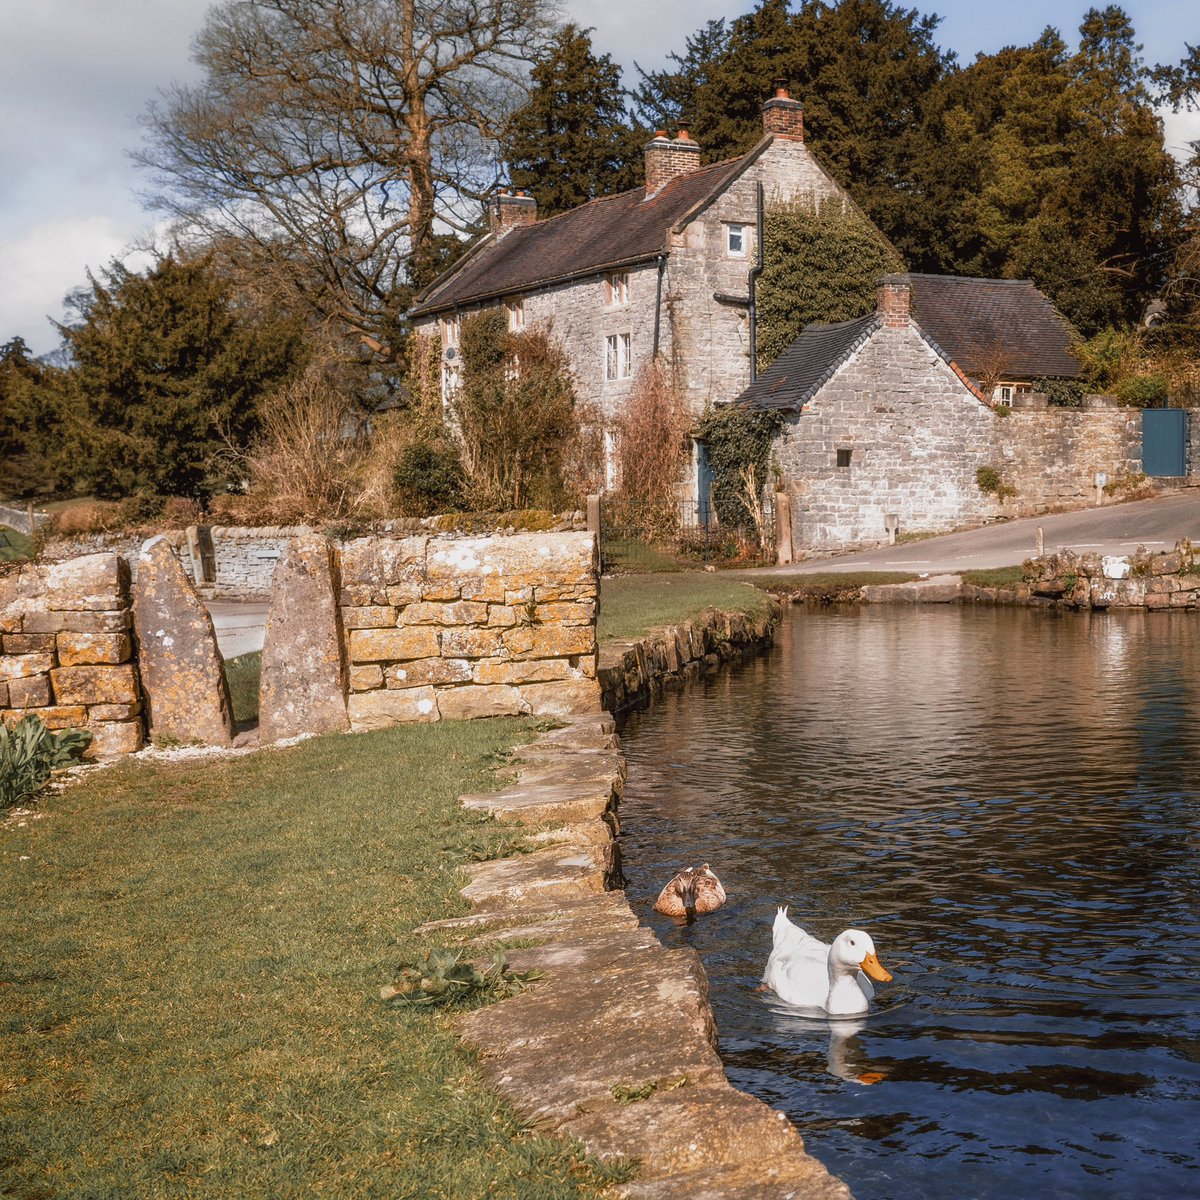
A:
{"x":243,"y":674}
{"x":630,"y":605}
{"x":995,"y":577}
{"x":190,"y":967}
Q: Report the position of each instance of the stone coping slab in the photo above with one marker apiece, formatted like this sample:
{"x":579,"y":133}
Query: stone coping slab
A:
{"x":616,"y":1044}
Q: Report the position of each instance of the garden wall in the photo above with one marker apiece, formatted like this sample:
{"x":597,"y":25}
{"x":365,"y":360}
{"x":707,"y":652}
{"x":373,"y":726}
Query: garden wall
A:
{"x":245,"y":557}
{"x":387,"y":629}
{"x":67,"y":654}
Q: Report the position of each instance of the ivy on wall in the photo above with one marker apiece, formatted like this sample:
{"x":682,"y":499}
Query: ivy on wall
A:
{"x":739,"y":449}
{"x":820,"y":263}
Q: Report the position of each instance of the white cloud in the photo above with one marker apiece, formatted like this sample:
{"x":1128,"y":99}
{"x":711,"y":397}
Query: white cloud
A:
{"x":46,"y":262}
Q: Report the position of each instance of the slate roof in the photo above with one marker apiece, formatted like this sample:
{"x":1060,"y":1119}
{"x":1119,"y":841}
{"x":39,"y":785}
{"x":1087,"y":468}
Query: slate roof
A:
{"x":800,"y":371}
{"x":608,"y":233}
{"x":994,"y":326}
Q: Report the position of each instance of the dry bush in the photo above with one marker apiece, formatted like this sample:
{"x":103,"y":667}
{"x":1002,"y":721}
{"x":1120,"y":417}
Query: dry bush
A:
{"x":87,"y":516}
{"x":654,"y":452}
{"x":310,"y":458}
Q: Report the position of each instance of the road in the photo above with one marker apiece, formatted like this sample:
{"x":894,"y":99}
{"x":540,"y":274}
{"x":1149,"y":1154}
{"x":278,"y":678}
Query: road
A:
{"x":240,"y":625}
{"x":1115,"y":529}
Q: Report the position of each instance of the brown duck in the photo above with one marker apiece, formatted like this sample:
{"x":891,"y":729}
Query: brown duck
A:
{"x":695,"y":890}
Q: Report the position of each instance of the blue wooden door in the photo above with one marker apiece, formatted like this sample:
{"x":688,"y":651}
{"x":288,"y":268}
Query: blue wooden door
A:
{"x":703,"y":485}
{"x":1164,"y":441}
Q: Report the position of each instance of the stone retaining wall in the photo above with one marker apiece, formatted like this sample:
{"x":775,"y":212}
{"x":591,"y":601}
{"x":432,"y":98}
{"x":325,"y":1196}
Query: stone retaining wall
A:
{"x":631,"y":671}
{"x":1155,"y":582}
{"x":66,"y":653}
{"x":616,"y":1044}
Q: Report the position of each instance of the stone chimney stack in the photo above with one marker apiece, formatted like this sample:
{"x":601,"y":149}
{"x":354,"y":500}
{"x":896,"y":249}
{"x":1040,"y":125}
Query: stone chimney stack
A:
{"x":894,"y":301}
{"x":666,"y":158}
{"x":509,"y":210}
{"x":783,"y":116}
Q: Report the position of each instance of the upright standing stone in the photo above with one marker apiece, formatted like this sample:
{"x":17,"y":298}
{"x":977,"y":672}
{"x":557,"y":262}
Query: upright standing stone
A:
{"x":183,"y":674}
{"x":304,"y":677}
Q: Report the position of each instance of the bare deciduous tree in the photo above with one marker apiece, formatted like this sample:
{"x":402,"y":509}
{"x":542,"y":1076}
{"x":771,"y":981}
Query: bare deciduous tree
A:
{"x":337,"y":139}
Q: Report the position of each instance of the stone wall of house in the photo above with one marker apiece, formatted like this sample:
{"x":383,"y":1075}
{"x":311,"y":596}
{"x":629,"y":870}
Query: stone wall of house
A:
{"x":66,"y":651}
{"x":439,"y":627}
{"x":710,"y":346}
{"x":1052,"y":455}
{"x":915,"y":436}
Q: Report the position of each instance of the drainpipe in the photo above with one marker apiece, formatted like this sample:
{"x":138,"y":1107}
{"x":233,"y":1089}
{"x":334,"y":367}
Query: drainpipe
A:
{"x":662,"y":263}
{"x":755,"y":272}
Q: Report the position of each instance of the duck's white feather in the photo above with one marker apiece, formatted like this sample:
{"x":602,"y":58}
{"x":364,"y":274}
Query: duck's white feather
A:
{"x":798,"y":969}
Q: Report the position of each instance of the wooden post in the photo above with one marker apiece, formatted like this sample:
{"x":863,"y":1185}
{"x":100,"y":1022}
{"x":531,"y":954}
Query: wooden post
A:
{"x":593,"y":515}
{"x":783,"y":528}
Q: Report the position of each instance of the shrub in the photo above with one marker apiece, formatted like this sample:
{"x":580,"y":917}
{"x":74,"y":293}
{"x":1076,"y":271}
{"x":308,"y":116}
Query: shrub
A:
{"x":989,"y":481}
{"x":429,"y":479}
{"x":1061,"y":393}
{"x":739,"y":447}
{"x":29,"y":752}
{"x":1142,"y":391}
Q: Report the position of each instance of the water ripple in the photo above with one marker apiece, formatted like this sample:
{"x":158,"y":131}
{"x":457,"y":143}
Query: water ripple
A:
{"x":1008,"y":801}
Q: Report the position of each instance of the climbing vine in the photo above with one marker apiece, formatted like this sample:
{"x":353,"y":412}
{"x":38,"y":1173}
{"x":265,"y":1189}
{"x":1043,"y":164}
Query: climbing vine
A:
{"x":821,"y":262}
{"x":739,"y":449}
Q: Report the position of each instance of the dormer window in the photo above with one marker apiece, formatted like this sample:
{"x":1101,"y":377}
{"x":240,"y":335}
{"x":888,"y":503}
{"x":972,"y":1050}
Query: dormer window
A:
{"x":451,"y":331}
{"x":616,"y":289}
{"x":735,"y":241}
{"x":515,"y":311}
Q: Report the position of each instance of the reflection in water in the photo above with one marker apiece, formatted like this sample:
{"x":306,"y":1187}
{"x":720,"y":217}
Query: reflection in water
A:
{"x":1007,"y":801}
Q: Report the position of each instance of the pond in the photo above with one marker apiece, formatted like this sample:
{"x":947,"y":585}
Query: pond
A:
{"x":1008,"y":801}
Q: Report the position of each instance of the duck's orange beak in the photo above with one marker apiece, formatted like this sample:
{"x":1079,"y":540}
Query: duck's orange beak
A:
{"x":874,"y":969}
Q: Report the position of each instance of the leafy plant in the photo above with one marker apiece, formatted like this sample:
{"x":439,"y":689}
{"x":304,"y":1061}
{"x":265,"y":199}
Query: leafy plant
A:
{"x":736,"y":440}
{"x":429,"y":478}
{"x":1061,"y":393}
{"x":1142,"y":391}
{"x":29,"y":752}
{"x":447,"y":977}
{"x":988,"y":479}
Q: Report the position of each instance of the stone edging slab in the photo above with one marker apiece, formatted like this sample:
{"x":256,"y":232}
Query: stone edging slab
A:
{"x":616,"y":1045}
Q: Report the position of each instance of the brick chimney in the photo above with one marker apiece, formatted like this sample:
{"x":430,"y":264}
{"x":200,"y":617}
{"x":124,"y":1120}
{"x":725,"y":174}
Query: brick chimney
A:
{"x":783,"y":116}
{"x":667,"y":157}
{"x":509,"y":210}
{"x":894,"y":301}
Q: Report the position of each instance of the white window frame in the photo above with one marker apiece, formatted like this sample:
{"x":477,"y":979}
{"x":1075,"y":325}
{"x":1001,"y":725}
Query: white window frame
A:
{"x":1004,"y":393}
{"x":734,"y":230}
{"x":515,"y":310}
{"x":616,"y":289}
{"x":618,"y":357}
{"x":451,"y":330}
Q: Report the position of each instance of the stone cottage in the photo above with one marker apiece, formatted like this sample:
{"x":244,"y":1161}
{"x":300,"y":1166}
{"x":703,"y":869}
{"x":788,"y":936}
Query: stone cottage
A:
{"x":663,"y":269}
{"x":885,"y":421}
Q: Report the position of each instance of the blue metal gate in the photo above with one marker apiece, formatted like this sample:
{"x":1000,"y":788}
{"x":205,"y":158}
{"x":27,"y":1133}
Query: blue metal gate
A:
{"x":1164,"y":441}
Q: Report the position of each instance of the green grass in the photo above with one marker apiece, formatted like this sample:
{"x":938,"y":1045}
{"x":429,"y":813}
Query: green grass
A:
{"x":631,"y":605}
{"x":14,"y":544}
{"x":242,"y":674}
{"x":994,"y":577}
{"x":190,"y":972}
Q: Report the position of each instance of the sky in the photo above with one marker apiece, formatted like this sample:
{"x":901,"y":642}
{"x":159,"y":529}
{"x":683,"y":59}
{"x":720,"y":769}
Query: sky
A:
{"x":76,"y":74}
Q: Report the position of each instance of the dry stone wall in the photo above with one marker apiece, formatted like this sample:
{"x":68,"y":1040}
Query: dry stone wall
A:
{"x":457,"y":628}
{"x":68,"y":655}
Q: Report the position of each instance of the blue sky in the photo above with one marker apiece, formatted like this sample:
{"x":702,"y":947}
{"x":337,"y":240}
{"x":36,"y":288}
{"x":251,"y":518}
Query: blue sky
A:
{"x":75,"y":74}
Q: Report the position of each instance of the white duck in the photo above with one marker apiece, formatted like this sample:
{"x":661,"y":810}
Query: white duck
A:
{"x":808,"y":973}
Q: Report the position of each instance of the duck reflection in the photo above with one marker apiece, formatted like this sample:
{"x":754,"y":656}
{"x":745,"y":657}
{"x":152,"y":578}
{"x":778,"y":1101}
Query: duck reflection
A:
{"x":847,"y":1057}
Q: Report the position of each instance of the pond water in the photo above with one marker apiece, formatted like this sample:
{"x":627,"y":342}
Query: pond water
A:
{"x":1009,"y":802}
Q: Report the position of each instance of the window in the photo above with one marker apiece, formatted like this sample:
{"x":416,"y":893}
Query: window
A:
{"x":843,"y":458}
{"x":735,"y":241}
{"x":617,"y":356}
{"x":616,"y":289}
{"x":451,"y":329}
{"x":515,"y":310}
{"x":1003,"y":394}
